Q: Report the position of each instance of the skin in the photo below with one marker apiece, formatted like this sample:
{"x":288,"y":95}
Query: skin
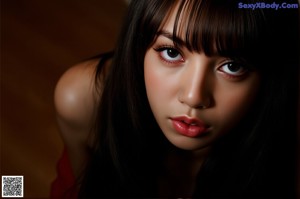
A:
{"x":75,"y":105}
{"x":176,"y":86}
{"x":178,"y":83}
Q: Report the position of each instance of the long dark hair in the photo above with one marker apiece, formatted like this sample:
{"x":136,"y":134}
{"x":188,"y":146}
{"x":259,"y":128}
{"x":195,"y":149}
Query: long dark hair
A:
{"x":258,"y":158}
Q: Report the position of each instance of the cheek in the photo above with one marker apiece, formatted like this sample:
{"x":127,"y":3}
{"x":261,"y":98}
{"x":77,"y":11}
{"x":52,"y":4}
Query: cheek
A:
{"x":160,"y":81}
{"x":234,"y":102}
{"x":158,"y":89}
{"x":154,"y":82}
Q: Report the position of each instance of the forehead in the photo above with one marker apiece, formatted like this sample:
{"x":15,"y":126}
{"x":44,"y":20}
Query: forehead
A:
{"x":170,"y":19}
{"x":214,"y":27}
{"x":181,"y":27}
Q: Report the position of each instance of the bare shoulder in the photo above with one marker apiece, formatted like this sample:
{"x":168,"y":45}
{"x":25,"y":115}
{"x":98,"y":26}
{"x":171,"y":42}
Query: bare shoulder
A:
{"x":75,"y":104}
{"x":74,"y":94}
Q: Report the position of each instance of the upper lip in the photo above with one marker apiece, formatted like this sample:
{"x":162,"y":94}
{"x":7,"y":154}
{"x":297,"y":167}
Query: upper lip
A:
{"x":189,"y":120}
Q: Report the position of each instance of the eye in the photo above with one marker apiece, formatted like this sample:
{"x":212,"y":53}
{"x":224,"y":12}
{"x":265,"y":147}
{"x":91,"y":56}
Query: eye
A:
{"x":233,"y":69}
{"x":169,"y":54}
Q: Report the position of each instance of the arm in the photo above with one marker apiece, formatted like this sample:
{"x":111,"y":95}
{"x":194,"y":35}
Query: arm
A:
{"x":75,"y":105}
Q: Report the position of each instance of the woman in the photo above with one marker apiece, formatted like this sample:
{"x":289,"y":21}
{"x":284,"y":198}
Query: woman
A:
{"x":198,"y":100}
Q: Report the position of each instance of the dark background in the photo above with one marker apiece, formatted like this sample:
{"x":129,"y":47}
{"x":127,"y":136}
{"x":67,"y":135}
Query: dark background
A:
{"x":40,"y":39}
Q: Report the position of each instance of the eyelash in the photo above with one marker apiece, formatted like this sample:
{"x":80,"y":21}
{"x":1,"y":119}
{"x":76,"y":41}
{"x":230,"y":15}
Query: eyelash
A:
{"x":161,"y":50}
{"x":231,"y":76}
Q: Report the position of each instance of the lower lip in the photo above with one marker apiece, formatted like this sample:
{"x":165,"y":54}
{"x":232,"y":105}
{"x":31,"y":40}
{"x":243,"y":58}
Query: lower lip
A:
{"x":188,"y":130}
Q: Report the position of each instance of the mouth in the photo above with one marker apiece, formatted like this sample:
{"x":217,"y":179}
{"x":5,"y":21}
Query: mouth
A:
{"x":190,"y":127}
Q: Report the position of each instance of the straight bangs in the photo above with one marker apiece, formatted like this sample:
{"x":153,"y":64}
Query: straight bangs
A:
{"x":219,"y":28}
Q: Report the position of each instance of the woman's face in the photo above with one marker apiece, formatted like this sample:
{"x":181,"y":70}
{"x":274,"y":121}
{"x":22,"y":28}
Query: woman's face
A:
{"x":195,"y":99}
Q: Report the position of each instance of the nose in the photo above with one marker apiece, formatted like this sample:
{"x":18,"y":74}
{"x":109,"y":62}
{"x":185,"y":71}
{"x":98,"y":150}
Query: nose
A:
{"x":195,"y":85}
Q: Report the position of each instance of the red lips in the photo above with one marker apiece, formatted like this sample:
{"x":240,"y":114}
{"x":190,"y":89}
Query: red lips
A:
{"x":190,"y":127}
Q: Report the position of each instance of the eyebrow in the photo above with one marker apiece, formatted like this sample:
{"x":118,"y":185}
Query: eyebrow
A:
{"x":171,"y":36}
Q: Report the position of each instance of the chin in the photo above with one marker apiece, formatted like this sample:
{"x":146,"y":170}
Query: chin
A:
{"x":188,"y":144}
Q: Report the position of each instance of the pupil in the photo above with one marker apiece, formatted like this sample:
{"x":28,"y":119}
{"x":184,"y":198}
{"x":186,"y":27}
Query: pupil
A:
{"x":172,"y":53}
{"x":233,"y":67}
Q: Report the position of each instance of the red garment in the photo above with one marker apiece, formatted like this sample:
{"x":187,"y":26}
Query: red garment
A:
{"x":64,"y":185}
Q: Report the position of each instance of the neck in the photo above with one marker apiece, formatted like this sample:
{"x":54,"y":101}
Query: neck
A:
{"x":180,"y":173}
{"x":186,"y":163}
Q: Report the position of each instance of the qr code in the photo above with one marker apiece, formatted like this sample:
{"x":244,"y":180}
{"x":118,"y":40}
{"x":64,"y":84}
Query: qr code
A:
{"x":12,"y":186}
